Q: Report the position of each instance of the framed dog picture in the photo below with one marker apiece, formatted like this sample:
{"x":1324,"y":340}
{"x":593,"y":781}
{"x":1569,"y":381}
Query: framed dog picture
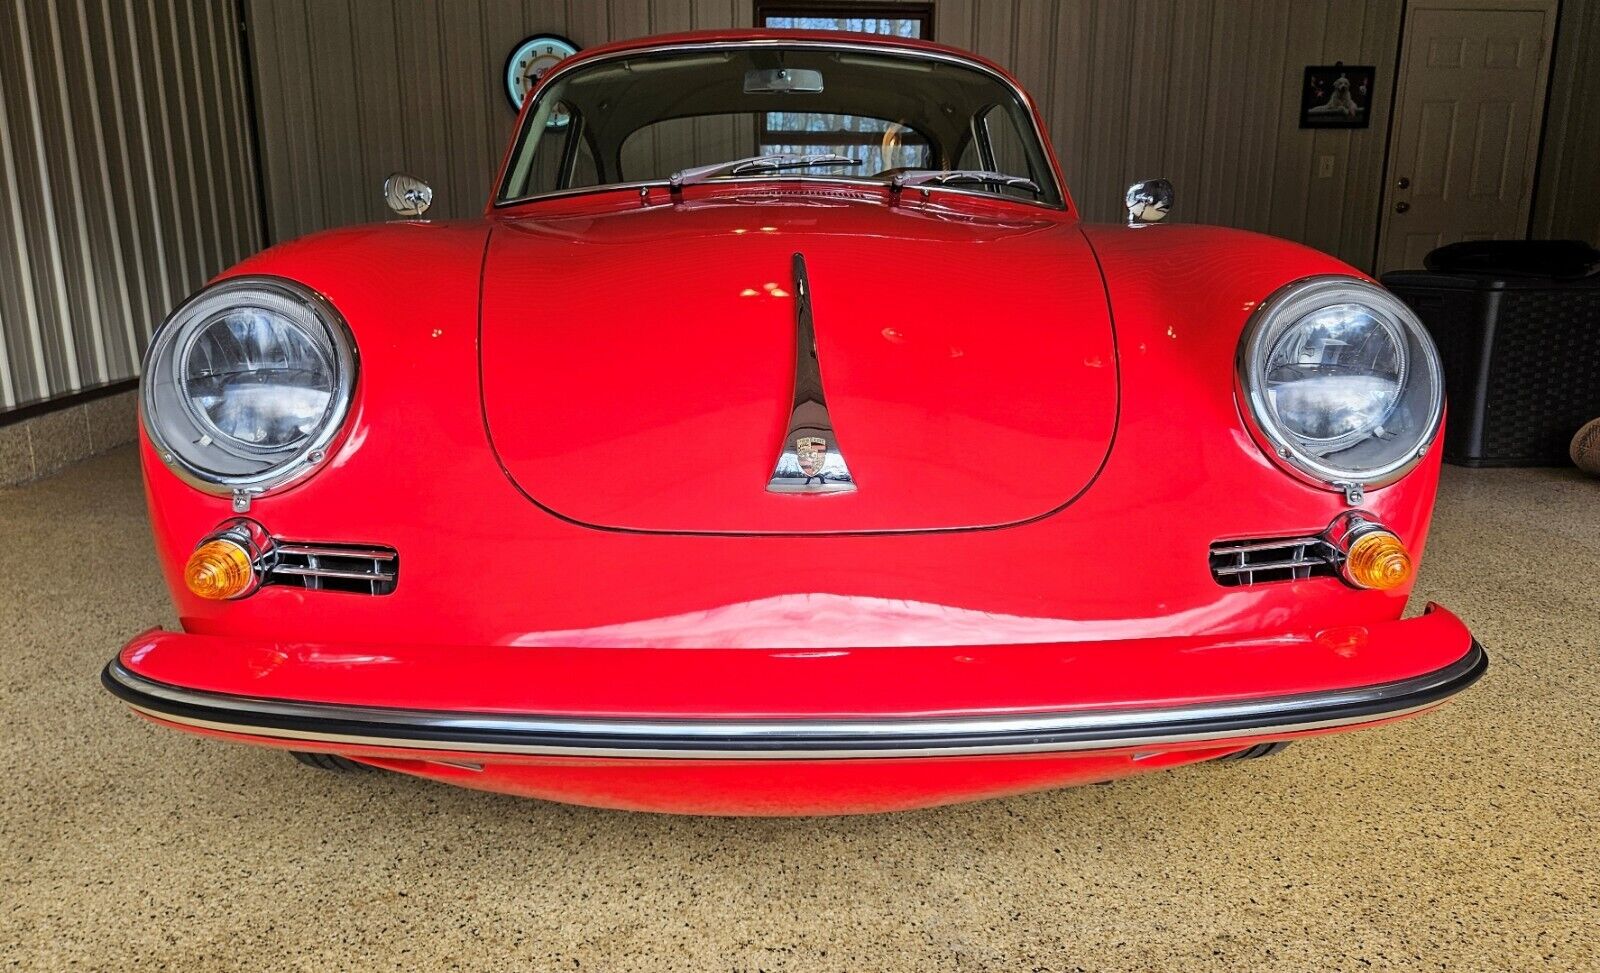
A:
{"x":1337,"y":96}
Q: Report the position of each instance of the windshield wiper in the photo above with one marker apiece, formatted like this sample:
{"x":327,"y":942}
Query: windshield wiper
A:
{"x":945,"y":177}
{"x":756,"y":163}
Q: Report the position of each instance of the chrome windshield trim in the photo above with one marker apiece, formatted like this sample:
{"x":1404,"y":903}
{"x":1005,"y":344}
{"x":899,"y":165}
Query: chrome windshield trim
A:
{"x":1100,"y":729}
{"x":693,"y":46}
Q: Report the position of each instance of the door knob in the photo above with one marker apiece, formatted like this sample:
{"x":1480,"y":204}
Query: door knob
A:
{"x":1402,"y":183}
{"x":1401,"y":206}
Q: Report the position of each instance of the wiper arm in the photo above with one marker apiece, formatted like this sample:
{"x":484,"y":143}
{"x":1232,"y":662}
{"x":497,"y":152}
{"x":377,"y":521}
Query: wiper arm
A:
{"x":756,"y":163}
{"x":945,"y":177}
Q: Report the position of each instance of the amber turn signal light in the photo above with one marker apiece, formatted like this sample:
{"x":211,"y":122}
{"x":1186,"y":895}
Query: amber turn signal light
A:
{"x":219,"y":569}
{"x":1378,"y":560}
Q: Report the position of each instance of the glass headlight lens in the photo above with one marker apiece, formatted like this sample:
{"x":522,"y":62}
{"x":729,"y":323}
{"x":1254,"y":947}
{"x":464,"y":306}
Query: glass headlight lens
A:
{"x":1342,"y":380}
{"x":257,"y":380}
{"x":246,"y":384}
{"x":1334,"y":376}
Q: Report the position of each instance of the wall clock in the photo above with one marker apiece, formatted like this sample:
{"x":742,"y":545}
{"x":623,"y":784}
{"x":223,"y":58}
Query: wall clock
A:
{"x":529,"y":61}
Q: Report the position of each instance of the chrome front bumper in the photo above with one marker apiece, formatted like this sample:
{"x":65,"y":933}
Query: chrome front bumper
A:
{"x":765,"y":739}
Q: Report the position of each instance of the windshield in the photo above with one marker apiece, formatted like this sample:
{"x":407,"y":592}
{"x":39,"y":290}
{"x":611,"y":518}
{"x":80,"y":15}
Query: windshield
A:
{"x":642,"y":118}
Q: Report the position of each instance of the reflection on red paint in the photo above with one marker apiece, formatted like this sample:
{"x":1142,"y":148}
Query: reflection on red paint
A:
{"x":1346,"y":640}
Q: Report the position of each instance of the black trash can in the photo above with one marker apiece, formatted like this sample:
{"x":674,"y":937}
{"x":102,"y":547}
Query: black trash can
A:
{"x":1521,"y":359}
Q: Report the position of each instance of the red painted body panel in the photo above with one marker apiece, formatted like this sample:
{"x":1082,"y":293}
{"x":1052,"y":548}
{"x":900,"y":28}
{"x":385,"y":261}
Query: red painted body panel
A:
{"x":677,"y":426}
{"x":504,"y":603}
{"x":1126,"y":560}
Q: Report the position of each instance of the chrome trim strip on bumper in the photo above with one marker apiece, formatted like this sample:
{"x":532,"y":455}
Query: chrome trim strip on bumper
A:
{"x":1103,"y":729}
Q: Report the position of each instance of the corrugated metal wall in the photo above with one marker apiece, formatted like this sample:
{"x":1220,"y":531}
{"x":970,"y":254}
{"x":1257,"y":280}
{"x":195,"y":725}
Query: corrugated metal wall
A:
{"x":126,"y":176}
{"x":126,"y":180}
{"x":1201,"y":91}
{"x":351,"y":90}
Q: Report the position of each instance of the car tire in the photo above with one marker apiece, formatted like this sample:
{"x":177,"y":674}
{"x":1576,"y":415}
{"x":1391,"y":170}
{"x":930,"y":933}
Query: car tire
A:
{"x":1254,"y":753}
{"x":330,"y":761}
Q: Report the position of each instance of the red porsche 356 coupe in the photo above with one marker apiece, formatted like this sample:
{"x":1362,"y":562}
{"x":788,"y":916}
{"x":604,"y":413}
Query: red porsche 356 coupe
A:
{"x":779,"y":441}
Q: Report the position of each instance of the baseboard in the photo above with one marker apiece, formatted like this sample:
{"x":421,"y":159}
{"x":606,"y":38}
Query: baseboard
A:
{"x":47,"y":442}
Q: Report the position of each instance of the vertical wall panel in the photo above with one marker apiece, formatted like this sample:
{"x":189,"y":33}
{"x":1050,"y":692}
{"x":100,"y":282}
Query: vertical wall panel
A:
{"x":1034,"y":63}
{"x":952,"y":22}
{"x":333,"y":53}
{"x":232,"y":136}
{"x":1204,"y":92}
{"x":427,"y":148}
{"x":125,"y":180}
{"x":1106,"y":169}
{"x":467,"y":106}
{"x":128,"y":172}
{"x":105,"y":208}
{"x":1185,"y":137}
{"x":1066,"y":104}
{"x":1319,"y":220}
{"x":502,"y":18}
{"x":121,"y":183}
{"x":1293,"y":164}
{"x":1363,"y":167}
{"x":199,"y":104}
{"x":1151,"y":50}
{"x":993,"y":30}
{"x":1565,"y":203}
{"x":378,"y":87}
{"x":189,"y":197}
{"x":56,"y":344}
{"x":589,"y":21}
{"x":79,"y":258}
{"x":20,"y":335}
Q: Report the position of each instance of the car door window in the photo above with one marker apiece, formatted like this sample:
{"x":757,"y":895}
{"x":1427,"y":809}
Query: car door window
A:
{"x":996,"y":143}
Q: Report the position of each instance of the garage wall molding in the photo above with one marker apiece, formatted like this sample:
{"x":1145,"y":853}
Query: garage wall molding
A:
{"x":126,"y":180}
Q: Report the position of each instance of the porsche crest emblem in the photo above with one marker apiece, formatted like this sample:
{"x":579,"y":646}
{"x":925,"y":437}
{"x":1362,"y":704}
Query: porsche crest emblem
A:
{"x":811,"y":452}
{"x":810,"y":461}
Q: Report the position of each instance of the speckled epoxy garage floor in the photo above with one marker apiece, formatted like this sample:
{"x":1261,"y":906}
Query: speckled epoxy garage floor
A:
{"x":1465,"y":840}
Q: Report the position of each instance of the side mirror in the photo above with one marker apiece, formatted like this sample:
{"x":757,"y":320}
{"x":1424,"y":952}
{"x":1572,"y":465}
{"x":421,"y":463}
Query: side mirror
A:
{"x":407,"y":195}
{"x":1149,"y":201}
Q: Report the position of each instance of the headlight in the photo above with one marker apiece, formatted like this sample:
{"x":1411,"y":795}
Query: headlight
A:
{"x":247,"y":383}
{"x":1342,"y":381}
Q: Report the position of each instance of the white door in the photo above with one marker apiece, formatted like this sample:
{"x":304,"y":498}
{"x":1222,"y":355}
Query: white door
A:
{"x":1468,"y":112}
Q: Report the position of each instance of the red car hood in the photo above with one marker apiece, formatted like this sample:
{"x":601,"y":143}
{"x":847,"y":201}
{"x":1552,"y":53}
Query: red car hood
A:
{"x":639,"y":365}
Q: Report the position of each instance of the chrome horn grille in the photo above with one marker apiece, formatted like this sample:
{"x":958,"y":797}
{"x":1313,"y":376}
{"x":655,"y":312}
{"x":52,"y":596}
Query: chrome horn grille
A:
{"x":331,"y":567}
{"x":1236,"y":563}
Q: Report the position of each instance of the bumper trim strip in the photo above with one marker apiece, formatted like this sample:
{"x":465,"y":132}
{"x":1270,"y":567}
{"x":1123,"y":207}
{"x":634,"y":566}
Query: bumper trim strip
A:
{"x":1099,"y":729}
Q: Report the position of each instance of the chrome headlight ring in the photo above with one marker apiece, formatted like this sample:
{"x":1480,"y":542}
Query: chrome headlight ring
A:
{"x":247,"y":385}
{"x":1340,"y":382}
